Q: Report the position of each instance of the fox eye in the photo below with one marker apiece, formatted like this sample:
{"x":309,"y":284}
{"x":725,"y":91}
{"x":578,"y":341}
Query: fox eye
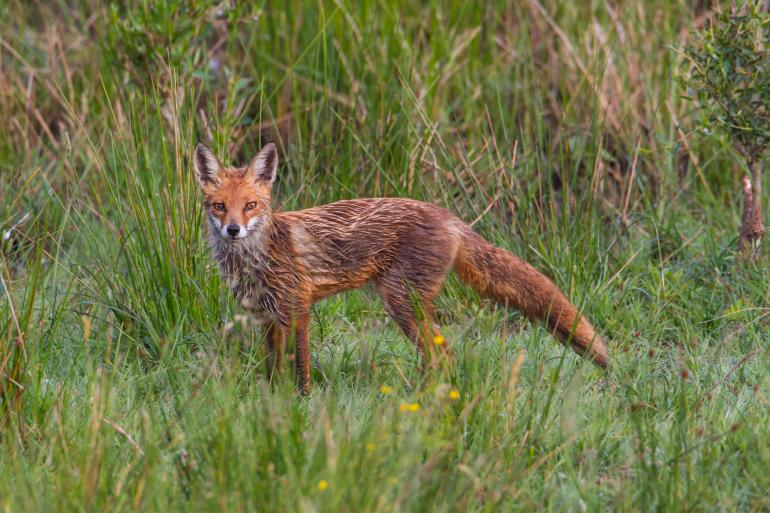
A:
{"x":219,"y":206}
{"x":250,"y":205}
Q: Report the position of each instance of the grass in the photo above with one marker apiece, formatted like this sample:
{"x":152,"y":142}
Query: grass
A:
{"x":557,"y":128}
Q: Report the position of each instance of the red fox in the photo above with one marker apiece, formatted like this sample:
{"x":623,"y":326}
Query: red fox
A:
{"x":279,"y":263}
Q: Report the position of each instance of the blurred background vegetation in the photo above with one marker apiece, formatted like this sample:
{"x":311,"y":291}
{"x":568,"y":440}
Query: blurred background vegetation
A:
{"x":559,"y":129}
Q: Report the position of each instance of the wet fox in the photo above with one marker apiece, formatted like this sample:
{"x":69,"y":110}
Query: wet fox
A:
{"x":279,"y":263}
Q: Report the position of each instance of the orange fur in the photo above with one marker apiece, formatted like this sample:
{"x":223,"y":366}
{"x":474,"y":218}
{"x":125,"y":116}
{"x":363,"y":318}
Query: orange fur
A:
{"x":286,"y":261}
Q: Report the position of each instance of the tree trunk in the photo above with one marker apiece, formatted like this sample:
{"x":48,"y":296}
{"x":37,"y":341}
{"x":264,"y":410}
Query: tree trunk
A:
{"x":753,"y":225}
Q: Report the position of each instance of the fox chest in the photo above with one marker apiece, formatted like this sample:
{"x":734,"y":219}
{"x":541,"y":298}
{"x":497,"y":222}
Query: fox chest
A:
{"x":255,"y":296}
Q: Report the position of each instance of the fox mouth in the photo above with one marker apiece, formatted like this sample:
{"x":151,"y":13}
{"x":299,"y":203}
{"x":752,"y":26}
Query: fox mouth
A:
{"x":233,"y":233}
{"x":243,"y":234}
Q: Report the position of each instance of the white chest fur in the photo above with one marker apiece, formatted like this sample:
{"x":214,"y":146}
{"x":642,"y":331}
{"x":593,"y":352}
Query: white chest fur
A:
{"x":253,"y":299}
{"x":243,"y":267}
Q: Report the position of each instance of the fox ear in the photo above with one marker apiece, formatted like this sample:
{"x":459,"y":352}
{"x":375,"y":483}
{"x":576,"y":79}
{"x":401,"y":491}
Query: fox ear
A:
{"x":207,"y":166}
{"x":265,"y":165}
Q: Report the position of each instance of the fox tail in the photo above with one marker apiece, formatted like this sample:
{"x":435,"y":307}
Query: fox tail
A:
{"x":497,"y":273}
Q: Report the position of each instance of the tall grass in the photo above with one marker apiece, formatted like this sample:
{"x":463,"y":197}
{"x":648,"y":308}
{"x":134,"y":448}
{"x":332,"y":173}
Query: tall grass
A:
{"x":555,"y":128}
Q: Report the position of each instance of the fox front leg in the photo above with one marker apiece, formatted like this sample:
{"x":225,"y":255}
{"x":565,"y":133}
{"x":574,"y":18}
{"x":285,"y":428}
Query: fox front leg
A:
{"x":276,"y":339}
{"x":302,"y":353}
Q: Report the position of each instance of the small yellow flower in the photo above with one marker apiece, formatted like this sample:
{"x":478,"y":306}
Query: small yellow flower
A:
{"x":403,"y":407}
{"x":438,"y":340}
{"x":385,"y":389}
{"x":414,"y":406}
{"x":323,"y":484}
{"x":370,"y":447}
{"x":454,"y":394}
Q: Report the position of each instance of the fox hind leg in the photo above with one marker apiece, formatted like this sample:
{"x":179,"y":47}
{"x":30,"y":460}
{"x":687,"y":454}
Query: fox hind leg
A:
{"x":412,"y":309}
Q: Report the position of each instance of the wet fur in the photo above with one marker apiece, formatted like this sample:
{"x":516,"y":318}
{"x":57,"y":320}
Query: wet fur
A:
{"x":402,"y":246}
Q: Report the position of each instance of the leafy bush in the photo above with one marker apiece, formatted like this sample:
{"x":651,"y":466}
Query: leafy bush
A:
{"x":153,"y":38}
{"x":728,"y":72}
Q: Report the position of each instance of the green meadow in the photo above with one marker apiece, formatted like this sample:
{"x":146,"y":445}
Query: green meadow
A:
{"x":559,"y":129}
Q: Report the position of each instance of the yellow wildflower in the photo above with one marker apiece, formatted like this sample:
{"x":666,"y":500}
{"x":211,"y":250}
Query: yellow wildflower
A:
{"x":438,"y":340}
{"x":454,"y":394}
{"x":323,"y":484}
{"x":370,"y":447}
{"x":385,"y":389}
{"x":414,"y":406}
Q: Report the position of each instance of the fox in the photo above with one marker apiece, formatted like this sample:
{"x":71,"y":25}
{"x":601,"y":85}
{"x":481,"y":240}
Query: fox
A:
{"x":278,"y":264}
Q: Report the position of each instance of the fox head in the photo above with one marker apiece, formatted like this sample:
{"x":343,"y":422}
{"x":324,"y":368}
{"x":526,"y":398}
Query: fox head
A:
{"x":236,"y":200}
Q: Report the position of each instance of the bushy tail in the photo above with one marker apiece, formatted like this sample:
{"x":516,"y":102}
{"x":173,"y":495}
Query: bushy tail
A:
{"x":497,"y":273}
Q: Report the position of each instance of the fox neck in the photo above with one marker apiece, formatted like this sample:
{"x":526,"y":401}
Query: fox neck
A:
{"x":241,"y":258}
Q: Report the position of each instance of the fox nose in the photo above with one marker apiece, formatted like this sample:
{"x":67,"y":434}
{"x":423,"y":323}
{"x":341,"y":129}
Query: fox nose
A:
{"x":233,"y":230}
